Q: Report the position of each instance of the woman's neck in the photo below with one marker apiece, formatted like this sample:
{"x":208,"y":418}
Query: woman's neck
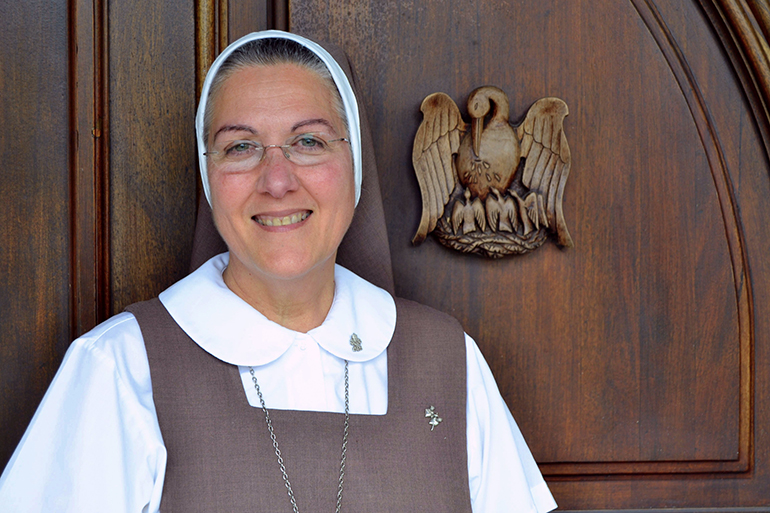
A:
{"x":299,"y":304}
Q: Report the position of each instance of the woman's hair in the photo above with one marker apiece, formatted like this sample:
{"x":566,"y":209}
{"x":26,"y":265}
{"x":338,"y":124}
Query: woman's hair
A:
{"x":271,"y":52}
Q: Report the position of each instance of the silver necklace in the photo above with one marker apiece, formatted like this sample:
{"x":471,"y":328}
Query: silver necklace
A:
{"x":278,"y":451}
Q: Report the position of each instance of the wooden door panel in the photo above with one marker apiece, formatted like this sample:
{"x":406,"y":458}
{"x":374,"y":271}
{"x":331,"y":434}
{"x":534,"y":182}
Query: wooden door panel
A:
{"x":631,"y":353}
{"x":152,"y":164}
{"x":35,"y":232}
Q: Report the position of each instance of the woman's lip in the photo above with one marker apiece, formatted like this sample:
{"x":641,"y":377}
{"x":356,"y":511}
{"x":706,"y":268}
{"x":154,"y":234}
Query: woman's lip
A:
{"x":282,"y":218}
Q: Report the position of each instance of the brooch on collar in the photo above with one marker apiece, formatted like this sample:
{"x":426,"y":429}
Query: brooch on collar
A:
{"x":356,"y":343}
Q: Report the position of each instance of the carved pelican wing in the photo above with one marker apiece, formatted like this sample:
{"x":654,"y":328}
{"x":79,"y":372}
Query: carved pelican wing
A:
{"x":546,"y":168}
{"x":437,"y":140}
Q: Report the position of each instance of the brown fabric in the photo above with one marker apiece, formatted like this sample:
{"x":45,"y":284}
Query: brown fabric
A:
{"x":365,"y":249}
{"x":220,"y":457}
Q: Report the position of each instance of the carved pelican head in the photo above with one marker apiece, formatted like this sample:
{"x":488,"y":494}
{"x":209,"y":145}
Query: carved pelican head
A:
{"x":480,"y":102}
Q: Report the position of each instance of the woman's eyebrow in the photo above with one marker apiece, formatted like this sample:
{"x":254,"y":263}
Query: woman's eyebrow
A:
{"x":318,"y":121}
{"x":235,"y":128}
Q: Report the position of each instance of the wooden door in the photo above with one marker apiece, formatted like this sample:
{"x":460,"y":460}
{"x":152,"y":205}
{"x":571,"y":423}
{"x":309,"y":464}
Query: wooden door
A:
{"x":636,"y":362}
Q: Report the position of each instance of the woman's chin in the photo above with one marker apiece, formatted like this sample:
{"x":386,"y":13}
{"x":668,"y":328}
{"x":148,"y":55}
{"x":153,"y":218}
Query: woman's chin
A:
{"x":286,"y":268}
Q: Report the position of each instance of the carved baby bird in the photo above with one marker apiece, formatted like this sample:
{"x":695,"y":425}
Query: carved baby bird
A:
{"x":484,"y":163}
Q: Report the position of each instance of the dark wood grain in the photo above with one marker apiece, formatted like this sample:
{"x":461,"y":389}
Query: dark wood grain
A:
{"x":246,"y":17}
{"x":35,"y":216}
{"x":153,"y":163}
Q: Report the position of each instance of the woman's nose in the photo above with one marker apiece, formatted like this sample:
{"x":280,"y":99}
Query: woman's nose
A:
{"x":276,"y":176}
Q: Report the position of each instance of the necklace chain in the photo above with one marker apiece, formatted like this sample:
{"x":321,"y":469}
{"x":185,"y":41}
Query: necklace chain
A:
{"x":269,"y":423}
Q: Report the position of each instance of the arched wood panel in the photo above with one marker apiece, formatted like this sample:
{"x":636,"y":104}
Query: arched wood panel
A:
{"x":629,"y":360}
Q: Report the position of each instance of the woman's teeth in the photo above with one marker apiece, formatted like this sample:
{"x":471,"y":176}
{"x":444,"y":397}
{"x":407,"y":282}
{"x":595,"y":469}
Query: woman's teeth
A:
{"x":282,"y":221}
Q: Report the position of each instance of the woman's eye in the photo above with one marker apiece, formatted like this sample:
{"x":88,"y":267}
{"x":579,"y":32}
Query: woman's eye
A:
{"x":310,"y":143}
{"x":240,"y":149}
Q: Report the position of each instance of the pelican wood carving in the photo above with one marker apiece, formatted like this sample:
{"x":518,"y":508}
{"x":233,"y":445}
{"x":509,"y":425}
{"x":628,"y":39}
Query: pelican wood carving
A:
{"x":495,"y":189}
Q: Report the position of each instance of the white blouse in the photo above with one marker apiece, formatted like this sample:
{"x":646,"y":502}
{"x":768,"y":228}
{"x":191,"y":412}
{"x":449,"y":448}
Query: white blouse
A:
{"x":94,"y":444}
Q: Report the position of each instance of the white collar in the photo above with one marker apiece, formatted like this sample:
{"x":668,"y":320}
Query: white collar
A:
{"x":228,"y":328}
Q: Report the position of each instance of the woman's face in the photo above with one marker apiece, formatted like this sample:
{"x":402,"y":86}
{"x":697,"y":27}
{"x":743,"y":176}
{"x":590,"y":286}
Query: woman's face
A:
{"x":309,"y":207}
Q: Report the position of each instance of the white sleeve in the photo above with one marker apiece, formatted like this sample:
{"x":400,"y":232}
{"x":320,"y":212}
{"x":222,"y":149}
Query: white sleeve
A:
{"x":94,"y":444}
{"x":502,"y":473}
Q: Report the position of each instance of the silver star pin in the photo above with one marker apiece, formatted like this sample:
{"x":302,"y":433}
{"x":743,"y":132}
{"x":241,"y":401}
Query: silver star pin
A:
{"x":356,"y":343}
{"x":434,"y":418}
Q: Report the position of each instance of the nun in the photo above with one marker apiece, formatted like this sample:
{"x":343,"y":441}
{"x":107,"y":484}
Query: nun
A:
{"x":282,"y":374}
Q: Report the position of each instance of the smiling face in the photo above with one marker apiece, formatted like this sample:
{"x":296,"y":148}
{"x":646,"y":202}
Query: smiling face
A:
{"x":280,"y":221}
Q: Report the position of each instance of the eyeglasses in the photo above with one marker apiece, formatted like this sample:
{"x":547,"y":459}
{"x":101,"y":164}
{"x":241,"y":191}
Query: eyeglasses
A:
{"x":303,"y":150}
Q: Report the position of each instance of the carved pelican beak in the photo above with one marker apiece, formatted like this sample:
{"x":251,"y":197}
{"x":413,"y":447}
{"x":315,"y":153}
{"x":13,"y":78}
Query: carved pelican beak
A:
{"x":477,"y":125}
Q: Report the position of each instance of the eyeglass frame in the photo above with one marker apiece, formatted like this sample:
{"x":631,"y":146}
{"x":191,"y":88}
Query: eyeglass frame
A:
{"x":284,"y":147}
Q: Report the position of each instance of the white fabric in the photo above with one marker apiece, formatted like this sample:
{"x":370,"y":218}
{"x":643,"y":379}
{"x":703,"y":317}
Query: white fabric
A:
{"x":340,"y":80}
{"x":94,"y":444}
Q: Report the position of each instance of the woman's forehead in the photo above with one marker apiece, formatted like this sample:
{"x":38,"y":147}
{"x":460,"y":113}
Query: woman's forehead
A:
{"x":285,"y":93}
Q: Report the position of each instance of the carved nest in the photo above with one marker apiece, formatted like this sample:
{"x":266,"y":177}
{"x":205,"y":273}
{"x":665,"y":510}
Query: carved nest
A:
{"x":487,"y":243}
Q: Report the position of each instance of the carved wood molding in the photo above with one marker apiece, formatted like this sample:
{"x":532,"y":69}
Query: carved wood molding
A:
{"x":743,"y":27}
{"x":89,"y":165}
{"x":749,"y":23}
